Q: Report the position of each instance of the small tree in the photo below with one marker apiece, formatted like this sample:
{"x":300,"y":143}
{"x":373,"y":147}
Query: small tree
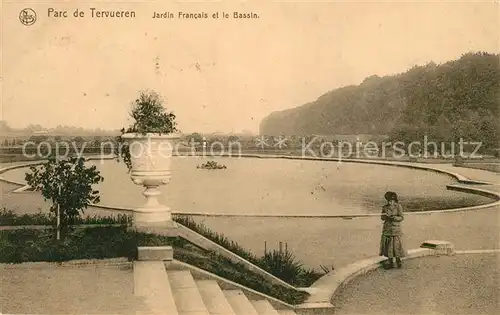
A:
{"x":79,"y":141}
{"x":38,"y":138}
{"x":97,"y":141}
{"x":68,"y":184}
{"x":195,"y":137}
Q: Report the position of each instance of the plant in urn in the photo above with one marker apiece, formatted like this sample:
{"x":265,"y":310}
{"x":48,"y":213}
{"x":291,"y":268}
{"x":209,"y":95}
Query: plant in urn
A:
{"x":146,"y":149}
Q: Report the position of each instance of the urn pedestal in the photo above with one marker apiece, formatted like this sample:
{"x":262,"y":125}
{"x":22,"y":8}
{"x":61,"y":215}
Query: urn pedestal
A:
{"x":151,"y":157}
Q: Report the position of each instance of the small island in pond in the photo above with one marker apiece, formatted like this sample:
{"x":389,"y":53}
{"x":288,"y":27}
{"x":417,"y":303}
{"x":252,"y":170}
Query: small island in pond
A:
{"x":211,"y":165}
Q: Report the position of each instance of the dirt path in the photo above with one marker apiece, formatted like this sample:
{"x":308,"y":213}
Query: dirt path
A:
{"x":67,"y":290}
{"x":462,"y":284}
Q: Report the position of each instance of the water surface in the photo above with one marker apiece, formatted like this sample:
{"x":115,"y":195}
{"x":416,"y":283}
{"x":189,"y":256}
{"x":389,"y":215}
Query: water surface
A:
{"x":279,"y":186}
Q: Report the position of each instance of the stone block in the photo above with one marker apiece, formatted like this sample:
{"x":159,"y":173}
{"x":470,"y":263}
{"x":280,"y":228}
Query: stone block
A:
{"x":441,"y":247}
{"x":170,"y":229}
{"x":155,"y":253}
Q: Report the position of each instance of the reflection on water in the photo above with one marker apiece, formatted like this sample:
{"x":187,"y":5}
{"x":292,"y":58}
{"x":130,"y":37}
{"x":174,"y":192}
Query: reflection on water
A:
{"x":280,"y":186}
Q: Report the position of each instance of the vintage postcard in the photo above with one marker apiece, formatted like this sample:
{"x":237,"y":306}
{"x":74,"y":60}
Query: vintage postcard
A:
{"x":249,"y":157}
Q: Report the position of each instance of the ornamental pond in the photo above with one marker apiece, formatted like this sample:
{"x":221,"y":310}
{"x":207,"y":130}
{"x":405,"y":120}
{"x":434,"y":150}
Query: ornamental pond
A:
{"x":282,"y":187}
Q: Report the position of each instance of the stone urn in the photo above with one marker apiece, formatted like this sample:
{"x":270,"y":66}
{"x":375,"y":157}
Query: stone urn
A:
{"x":151,"y":157}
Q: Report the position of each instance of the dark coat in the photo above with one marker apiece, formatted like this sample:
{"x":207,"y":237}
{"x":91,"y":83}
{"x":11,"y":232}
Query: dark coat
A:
{"x":392,"y":215}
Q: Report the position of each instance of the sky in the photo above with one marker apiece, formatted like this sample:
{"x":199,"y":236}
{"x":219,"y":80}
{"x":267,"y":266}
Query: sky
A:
{"x":219,"y":74}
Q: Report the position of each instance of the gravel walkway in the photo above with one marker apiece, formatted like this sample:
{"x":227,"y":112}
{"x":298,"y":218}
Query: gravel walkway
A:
{"x":463,"y":284}
{"x":51,"y":289}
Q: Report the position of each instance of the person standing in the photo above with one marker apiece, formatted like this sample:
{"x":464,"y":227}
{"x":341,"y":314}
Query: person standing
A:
{"x":391,"y":243}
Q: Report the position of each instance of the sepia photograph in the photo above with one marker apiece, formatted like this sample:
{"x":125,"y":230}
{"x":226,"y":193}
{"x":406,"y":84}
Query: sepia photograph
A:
{"x":250,"y":157}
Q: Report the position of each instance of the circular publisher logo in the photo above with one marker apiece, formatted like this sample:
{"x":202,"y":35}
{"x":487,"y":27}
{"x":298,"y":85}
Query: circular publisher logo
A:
{"x":27,"y":17}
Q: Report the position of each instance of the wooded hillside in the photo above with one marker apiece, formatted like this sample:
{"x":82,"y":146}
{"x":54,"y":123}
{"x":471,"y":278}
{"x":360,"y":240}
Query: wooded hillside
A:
{"x":456,"y":99}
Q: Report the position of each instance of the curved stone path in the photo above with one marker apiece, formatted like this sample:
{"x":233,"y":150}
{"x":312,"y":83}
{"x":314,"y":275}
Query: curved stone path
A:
{"x":474,"y":174}
{"x":462,"y":284}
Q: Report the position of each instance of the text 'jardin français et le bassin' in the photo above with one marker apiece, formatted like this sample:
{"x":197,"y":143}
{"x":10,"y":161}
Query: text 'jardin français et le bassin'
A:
{"x":131,"y":14}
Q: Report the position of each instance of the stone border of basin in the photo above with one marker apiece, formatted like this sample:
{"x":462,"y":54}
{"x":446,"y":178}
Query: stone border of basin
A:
{"x":460,"y":178}
{"x":325,"y":288}
{"x":472,"y":190}
{"x":491,"y":167}
{"x":23,"y":185}
{"x":13,"y":167}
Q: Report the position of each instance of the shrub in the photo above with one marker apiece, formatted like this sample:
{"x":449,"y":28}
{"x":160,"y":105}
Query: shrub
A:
{"x":237,"y":272}
{"x":10,"y":218}
{"x":211,"y":165}
{"x":218,"y":238}
{"x":283,"y":265}
{"x":27,"y":245}
{"x":41,"y":245}
{"x":149,"y":116}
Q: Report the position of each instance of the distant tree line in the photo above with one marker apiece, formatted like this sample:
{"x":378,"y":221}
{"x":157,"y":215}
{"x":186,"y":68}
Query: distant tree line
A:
{"x":457,"y":99}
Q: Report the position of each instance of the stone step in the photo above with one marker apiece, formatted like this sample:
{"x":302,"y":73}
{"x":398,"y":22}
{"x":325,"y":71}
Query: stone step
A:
{"x":186,"y":295}
{"x":286,"y":312}
{"x":263,"y":307}
{"x":213,"y":297}
{"x":239,"y":302}
{"x":152,"y":287}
